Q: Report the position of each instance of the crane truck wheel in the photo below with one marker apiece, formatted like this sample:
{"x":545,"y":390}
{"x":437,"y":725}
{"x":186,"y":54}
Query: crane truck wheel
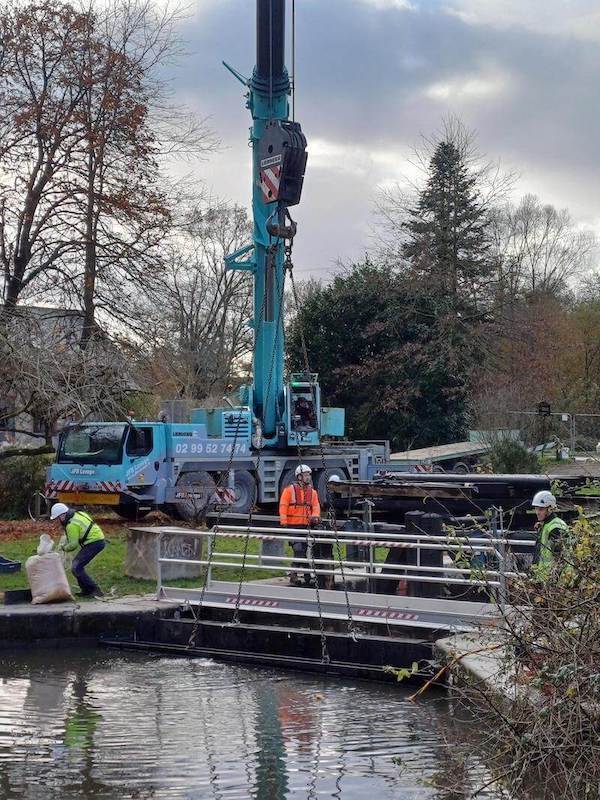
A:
{"x":461,"y":468}
{"x":197,"y":489}
{"x":245,"y":492}
{"x":321,"y":483}
{"x":287,"y":477}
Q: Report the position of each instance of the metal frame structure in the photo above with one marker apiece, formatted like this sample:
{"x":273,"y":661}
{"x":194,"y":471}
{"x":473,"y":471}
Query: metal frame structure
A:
{"x":391,"y":610}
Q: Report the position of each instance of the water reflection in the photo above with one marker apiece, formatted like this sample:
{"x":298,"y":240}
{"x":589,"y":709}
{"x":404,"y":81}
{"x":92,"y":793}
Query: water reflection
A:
{"x":103,"y":725}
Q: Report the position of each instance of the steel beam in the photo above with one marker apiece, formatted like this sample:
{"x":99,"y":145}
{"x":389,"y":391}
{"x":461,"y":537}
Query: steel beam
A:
{"x":408,"y":612}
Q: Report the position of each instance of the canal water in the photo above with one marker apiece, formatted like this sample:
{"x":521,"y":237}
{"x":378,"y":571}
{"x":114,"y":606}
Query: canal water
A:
{"x":103,"y":725}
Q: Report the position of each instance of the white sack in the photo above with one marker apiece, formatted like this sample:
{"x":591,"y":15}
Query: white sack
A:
{"x":47,"y":579}
{"x":46,"y":544}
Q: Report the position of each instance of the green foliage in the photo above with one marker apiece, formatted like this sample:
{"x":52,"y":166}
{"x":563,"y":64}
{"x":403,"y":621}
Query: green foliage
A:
{"x":20,"y":477}
{"x":141,"y":405}
{"x":447,"y":230}
{"x":547,"y":736}
{"x":370,"y":337}
{"x":511,"y":457}
{"x":396,"y":343}
{"x":403,"y":673}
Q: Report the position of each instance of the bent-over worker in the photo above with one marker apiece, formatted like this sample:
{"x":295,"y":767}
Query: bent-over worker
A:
{"x":551,"y":533}
{"x":299,"y":508}
{"x":80,"y":531}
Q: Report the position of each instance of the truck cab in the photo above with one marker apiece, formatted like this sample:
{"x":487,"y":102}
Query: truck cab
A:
{"x":109,"y":463}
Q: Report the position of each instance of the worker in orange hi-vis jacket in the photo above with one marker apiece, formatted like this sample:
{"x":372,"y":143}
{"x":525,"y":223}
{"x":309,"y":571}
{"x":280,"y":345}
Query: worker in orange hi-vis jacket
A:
{"x":299,"y":508}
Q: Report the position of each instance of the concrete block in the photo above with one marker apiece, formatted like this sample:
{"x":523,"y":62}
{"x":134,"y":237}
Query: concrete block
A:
{"x":141,"y":560}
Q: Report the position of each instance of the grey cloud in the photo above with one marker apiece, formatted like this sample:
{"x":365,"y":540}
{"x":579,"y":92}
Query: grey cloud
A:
{"x":363,"y":73}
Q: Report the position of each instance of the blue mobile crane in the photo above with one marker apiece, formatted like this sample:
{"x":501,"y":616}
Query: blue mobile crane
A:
{"x":246,"y":452}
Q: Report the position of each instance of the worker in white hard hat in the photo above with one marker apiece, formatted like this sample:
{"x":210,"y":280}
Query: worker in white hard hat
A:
{"x":299,"y":508}
{"x":80,"y":531}
{"x":551,"y":533}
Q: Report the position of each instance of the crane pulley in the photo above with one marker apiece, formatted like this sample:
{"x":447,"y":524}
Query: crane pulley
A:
{"x":282,"y":161}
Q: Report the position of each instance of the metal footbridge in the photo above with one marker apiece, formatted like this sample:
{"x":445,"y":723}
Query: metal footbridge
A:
{"x":438,"y":616}
{"x":378,"y":595}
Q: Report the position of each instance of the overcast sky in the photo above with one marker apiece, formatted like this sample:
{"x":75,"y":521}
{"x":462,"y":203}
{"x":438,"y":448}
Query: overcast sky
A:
{"x":373,"y":75}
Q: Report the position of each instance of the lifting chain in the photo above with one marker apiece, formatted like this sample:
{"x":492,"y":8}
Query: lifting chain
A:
{"x":211,"y":542}
{"x":324,"y":651}
{"x":288,"y":266}
{"x":352,"y":628}
{"x":271,"y":253}
{"x":235,"y":618}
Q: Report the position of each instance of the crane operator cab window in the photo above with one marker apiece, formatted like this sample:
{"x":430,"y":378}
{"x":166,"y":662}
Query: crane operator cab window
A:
{"x":304,"y":409}
{"x":304,"y":418}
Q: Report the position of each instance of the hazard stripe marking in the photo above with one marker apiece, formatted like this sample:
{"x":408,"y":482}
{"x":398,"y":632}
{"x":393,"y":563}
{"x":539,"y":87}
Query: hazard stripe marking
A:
{"x":251,"y":601}
{"x":376,"y":612}
{"x":269,"y":182}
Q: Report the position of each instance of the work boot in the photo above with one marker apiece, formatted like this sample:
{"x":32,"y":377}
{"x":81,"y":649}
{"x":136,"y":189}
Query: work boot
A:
{"x":294,"y":579}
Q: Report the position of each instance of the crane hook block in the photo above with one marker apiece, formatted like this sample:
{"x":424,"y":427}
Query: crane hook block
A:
{"x":282,"y":159}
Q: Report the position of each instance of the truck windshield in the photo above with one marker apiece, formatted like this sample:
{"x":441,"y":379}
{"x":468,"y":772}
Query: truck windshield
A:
{"x":92,"y":444}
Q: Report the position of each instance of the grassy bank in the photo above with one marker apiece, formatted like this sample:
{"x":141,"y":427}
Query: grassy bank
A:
{"x":19,"y":540}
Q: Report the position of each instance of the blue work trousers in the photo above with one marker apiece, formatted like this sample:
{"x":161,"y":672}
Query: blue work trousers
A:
{"x":83,"y":557}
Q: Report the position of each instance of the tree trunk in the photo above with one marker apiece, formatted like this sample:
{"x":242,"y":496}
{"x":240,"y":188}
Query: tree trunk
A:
{"x":89,"y":276}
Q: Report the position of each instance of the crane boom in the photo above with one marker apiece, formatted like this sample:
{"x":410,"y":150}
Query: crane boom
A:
{"x":279,"y":160}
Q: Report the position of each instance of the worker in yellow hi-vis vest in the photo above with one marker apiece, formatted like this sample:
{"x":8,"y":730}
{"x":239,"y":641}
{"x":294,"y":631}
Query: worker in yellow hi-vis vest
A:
{"x":552,"y":532}
{"x":80,"y":531}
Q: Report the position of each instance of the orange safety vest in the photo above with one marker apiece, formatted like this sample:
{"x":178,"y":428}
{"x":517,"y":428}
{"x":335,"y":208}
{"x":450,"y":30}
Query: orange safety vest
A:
{"x":297,"y":505}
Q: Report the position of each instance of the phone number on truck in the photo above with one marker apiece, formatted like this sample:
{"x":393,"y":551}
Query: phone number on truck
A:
{"x":210,"y":448}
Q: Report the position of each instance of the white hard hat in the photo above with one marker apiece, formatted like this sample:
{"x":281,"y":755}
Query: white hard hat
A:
{"x":544,"y":499}
{"x":335,"y":478}
{"x":58,"y":509}
{"x":303,"y":468}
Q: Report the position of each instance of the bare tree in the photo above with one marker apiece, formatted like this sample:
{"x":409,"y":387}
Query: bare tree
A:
{"x":129,"y":125}
{"x":196,"y":314}
{"x":38,"y":131}
{"x":82,"y":204}
{"x":539,"y":249}
{"x":47,"y":376}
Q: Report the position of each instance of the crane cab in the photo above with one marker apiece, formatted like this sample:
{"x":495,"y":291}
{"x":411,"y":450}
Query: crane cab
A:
{"x":303,"y":409}
{"x":307,"y":421}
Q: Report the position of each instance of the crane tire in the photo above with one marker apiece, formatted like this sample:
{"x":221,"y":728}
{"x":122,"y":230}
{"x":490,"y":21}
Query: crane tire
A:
{"x":245,"y":488}
{"x":202,"y":484}
{"x":461,"y":468}
{"x":323,"y":477}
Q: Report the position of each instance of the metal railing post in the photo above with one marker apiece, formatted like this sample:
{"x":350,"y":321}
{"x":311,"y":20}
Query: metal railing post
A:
{"x":498,"y":532}
{"x":159,"y":566}
{"x":368,"y":527}
{"x":209,"y":558}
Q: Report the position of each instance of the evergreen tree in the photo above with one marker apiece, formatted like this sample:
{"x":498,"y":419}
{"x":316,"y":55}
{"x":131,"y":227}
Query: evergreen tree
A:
{"x":395,"y":344}
{"x":446,"y":252}
{"x":446,"y":231}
